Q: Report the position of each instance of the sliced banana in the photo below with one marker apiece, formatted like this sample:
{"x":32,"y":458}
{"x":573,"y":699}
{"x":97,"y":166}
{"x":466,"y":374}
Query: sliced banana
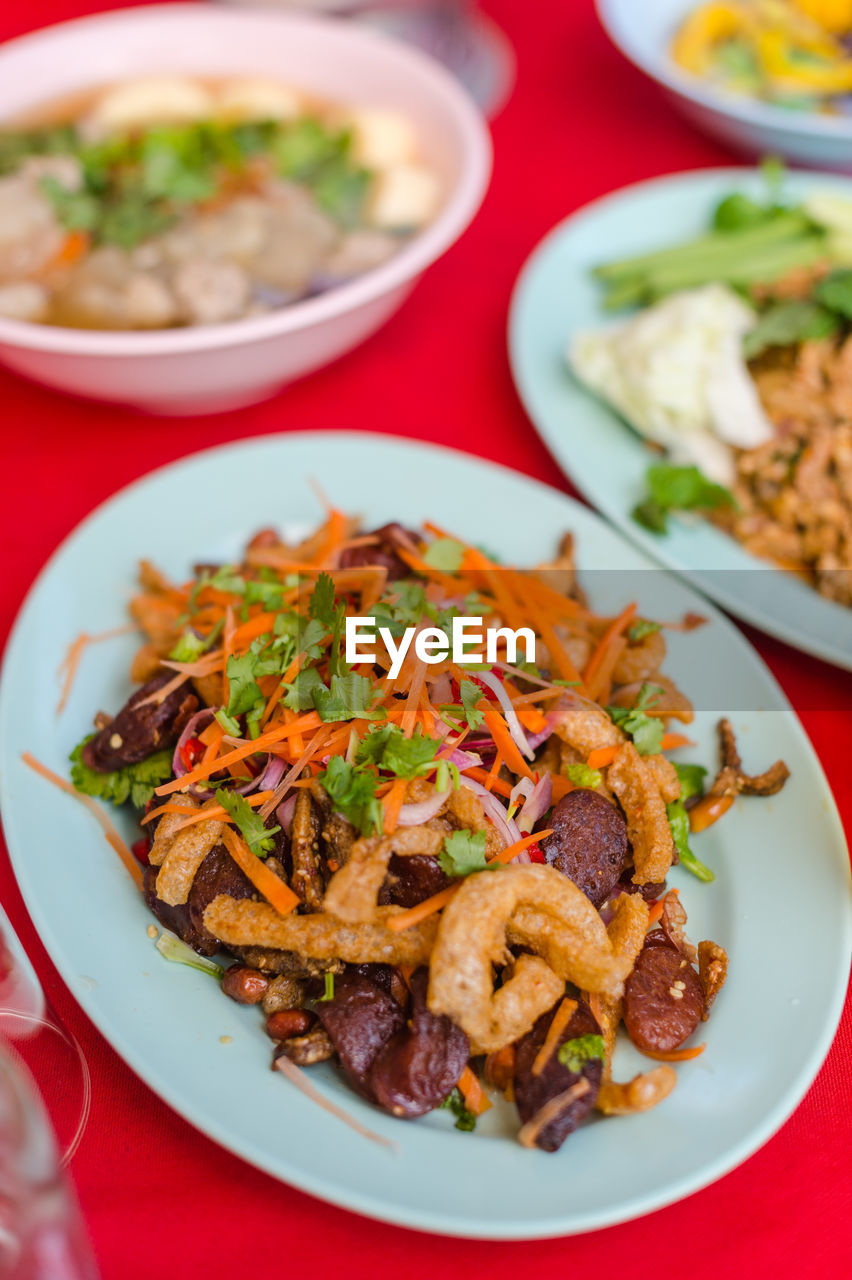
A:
{"x":402,"y":197}
{"x":252,"y":99}
{"x":149,"y":101}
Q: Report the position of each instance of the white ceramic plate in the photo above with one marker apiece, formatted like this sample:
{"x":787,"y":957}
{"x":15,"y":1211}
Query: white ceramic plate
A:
{"x":770,"y":1028}
{"x":556,"y":297}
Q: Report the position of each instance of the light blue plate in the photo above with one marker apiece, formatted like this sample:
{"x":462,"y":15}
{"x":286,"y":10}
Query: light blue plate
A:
{"x":779,"y":903}
{"x":556,"y":297}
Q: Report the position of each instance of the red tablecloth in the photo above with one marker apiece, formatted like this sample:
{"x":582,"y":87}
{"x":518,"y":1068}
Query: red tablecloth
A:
{"x":157,"y":1196}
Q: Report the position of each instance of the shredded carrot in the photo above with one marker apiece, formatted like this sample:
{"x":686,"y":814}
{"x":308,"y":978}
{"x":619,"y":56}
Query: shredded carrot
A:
{"x":512,"y":851}
{"x":276,"y":892}
{"x":603,"y":756}
{"x":159,"y":695}
{"x":201,"y":771}
{"x":250,"y":630}
{"x":475,"y":1098}
{"x":109,"y":830}
{"x":215,"y":811}
{"x":675,"y":1055}
{"x":392,"y":803}
{"x":531,"y":718}
{"x":505,"y":742}
{"x":708,"y":810}
{"x":76,"y":649}
{"x":614,"y":630}
{"x":561,"y":1018}
{"x":482,"y":775}
{"x":655,"y":913}
{"x":493,"y":772}
{"x":561,"y":787}
{"x":72,"y":249}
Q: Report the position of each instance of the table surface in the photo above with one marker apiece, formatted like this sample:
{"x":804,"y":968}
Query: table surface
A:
{"x":581,"y":122}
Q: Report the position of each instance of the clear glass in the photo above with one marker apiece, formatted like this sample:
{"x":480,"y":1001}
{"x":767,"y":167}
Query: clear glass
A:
{"x":41,"y":1234}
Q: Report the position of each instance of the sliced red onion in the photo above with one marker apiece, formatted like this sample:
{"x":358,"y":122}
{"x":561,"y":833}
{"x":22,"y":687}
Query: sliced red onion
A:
{"x":463,"y":759}
{"x":537,"y":803}
{"x":442,"y":688}
{"x":412,"y":815}
{"x":524,"y":788}
{"x":195,"y":725}
{"x":494,"y":810}
{"x":512,"y":721}
{"x":536,"y":739}
{"x":284,"y":813}
{"x":272,"y":774}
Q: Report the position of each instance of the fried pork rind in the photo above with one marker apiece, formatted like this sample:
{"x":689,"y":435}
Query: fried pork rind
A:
{"x":353,"y":891}
{"x":626,"y":932}
{"x":320,"y":936}
{"x":712,"y":971}
{"x":644,"y":785}
{"x":674,"y":924}
{"x":186,"y":852}
{"x":640,"y":1094}
{"x":671,"y":702}
{"x":584,"y":726}
{"x":165,"y":832}
{"x":473,"y":936}
{"x":641,"y":659}
{"x":732,"y":781}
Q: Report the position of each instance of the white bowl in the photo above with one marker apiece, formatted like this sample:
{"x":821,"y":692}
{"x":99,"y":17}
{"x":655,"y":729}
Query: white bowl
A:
{"x":642,"y":30}
{"x":209,"y":368}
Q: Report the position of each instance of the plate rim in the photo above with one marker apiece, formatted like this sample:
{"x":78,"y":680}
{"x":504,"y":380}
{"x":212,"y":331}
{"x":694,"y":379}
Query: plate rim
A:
{"x":352,"y":1198}
{"x":525,"y":388}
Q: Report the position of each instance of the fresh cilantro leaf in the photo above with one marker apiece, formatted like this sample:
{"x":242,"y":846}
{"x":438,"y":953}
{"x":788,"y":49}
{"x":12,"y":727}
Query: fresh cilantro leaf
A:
{"x":389,"y":749}
{"x":176,"y":165}
{"x":582,"y":776}
{"x":835,"y":292}
{"x":785,"y":323}
{"x":645,"y":730}
{"x":465,"y":1119}
{"x":350,"y":697}
{"x":574,"y":1054}
{"x":227,"y":722}
{"x":470,"y":694}
{"x":445,"y":554}
{"x":244,"y":689}
{"x":189,"y":647}
{"x":259,"y":838}
{"x":352,"y":790}
{"x":679,"y":824}
{"x":737,"y":212}
{"x":464,"y":853}
{"x":300,"y":694}
{"x":691,"y":779}
{"x":135,"y":782}
{"x":307,"y":637}
{"x":269,"y":594}
{"x":675,"y":488}
{"x":228,"y":580}
{"x":321,"y":602}
{"x":76,"y":210}
{"x":641,"y":628}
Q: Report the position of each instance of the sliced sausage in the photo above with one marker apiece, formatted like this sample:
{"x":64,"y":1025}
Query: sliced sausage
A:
{"x":136,"y":732}
{"x":390,"y":537}
{"x":589,"y":843}
{"x":359,"y":1019}
{"x":217,"y":874}
{"x":411,"y":879}
{"x":532,"y":1092}
{"x":421,"y":1064}
{"x":663,"y":997}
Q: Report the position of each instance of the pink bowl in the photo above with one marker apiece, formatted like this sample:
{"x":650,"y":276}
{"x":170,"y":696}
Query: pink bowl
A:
{"x":216,"y":367}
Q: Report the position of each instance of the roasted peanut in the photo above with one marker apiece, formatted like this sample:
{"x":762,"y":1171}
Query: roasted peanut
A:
{"x":245,"y":985}
{"x":288,"y":1022}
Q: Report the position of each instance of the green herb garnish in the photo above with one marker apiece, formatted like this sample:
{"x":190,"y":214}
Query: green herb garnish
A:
{"x":574,"y":1054}
{"x":352,"y":791}
{"x":135,"y":782}
{"x":675,"y":488}
{"x":465,"y":1119}
{"x":259,"y":838}
{"x":645,"y":730}
{"x":464,"y":853}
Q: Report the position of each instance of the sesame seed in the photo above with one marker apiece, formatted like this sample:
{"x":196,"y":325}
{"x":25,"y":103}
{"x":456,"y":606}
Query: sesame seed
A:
{"x":152,"y":931}
{"x":116,"y":741}
{"x":679,"y":986}
{"x":675,"y":994}
{"x":683,"y":964}
{"x":226,"y":1039}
